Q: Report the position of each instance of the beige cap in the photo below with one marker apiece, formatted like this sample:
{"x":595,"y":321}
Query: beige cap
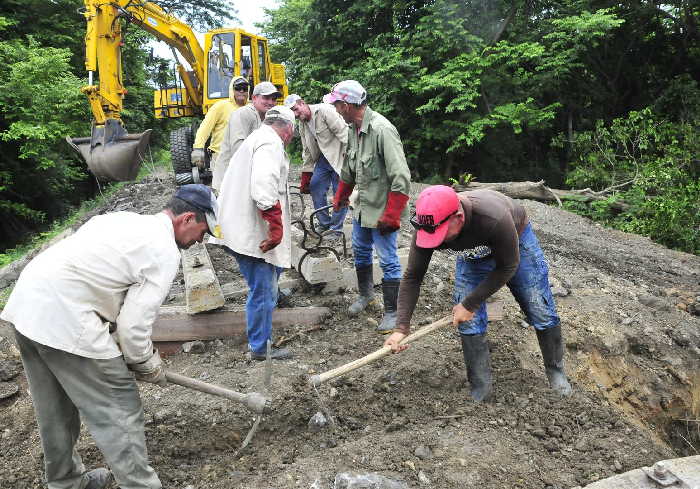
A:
{"x":280,"y":113}
{"x":266,"y":88}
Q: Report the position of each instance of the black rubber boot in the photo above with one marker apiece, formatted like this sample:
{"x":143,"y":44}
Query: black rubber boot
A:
{"x":553,"y":356}
{"x":478,"y":361}
{"x":365,"y":286}
{"x":390,"y":290}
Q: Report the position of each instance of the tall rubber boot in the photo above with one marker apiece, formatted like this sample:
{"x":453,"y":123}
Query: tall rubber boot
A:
{"x":390,"y":290}
{"x":365,"y":286}
{"x":553,"y":356}
{"x":478,"y":361}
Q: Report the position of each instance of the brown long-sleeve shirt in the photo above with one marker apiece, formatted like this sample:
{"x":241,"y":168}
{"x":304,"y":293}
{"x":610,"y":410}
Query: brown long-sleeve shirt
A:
{"x":490,"y":219}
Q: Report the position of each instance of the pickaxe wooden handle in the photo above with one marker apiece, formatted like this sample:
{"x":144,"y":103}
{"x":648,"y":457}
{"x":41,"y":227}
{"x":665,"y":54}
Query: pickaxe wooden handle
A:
{"x":254,"y":401}
{"x":319,"y":379}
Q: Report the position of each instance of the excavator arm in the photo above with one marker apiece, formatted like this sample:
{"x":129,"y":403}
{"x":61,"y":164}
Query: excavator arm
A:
{"x":111,"y":153}
{"x":104,"y":36}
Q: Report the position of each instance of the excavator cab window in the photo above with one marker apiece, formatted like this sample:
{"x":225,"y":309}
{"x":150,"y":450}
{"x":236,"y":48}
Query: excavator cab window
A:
{"x":261,"y":60}
{"x":220,"y":65}
{"x":246,"y":61}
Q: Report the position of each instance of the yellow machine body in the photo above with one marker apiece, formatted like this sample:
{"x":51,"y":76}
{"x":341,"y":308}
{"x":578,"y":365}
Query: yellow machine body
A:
{"x":226,"y":53}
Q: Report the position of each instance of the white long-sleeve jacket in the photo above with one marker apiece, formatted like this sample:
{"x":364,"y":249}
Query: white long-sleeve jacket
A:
{"x":117,"y":268}
{"x":255,"y":180}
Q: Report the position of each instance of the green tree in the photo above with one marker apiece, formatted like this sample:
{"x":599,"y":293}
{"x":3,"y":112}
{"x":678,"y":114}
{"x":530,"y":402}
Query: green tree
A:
{"x":651,"y":164}
{"x":40,"y":103}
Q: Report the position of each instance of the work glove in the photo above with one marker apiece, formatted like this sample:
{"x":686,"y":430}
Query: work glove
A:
{"x":273,"y":216}
{"x":342,"y":195}
{"x":305,"y":181}
{"x":151,"y":370}
{"x":391,"y":219}
{"x":197,"y":158}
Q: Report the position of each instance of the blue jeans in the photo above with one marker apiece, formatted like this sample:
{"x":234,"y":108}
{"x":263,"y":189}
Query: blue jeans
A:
{"x":324,"y":177}
{"x":261,"y":278}
{"x":529,"y":286}
{"x":362,"y":241}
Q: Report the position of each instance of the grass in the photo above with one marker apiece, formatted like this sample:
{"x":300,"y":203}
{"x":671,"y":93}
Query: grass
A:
{"x":159,"y":159}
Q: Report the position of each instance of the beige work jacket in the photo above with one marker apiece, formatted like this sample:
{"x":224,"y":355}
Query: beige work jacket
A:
{"x":325,"y":133}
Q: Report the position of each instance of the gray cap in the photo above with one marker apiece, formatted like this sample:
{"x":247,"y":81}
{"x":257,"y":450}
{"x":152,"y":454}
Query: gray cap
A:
{"x":291,"y":100}
{"x":279,"y":112}
{"x":266,"y":88}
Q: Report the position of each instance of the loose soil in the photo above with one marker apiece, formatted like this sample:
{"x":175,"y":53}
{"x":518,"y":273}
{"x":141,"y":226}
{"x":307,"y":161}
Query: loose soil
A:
{"x":632,"y":354}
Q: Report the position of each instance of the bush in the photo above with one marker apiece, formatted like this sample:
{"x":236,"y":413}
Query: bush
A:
{"x":650,"y":164}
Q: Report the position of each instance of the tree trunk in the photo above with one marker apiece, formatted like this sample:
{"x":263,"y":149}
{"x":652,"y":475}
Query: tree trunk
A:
{"x":540,"y":192}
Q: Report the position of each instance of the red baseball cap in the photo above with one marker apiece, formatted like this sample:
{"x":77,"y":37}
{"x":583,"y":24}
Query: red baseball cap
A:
{"x":434,"y":207}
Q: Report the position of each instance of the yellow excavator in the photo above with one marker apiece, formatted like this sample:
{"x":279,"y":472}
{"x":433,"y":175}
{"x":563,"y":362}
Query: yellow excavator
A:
{"x":111,"y":153}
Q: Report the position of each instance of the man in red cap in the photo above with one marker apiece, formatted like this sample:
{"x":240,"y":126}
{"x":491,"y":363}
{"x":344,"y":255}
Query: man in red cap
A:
{"x":495,"y":246}
{"x":375,"y":166}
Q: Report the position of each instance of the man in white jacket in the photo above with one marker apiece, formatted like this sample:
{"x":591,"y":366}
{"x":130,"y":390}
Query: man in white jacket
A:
{"x":82,"y":312}
{"x":255,"y":221}
{"x":324,"y":139}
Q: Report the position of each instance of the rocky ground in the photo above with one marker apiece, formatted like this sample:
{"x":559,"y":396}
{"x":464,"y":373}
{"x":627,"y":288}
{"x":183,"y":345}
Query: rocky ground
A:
{"x":629,"y":313}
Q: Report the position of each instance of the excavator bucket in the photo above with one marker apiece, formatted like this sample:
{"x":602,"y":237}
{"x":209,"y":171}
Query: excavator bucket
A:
{"x":111,"y":153}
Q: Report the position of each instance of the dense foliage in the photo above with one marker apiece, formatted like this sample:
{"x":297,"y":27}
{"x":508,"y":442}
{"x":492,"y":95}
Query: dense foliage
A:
{"x":581,"y":93}
{"x":522,"y":90}
{"x":41,"y":72}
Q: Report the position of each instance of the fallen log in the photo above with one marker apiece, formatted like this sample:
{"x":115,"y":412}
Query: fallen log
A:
{"x":540,"y":192}
{"x":175,"y":324}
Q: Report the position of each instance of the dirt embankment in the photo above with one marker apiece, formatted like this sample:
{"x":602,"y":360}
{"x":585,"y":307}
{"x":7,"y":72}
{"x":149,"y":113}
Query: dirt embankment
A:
{"x":633,"y":354}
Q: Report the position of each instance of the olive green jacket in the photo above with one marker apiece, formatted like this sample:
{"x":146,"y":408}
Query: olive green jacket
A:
{"x":376,"y":165}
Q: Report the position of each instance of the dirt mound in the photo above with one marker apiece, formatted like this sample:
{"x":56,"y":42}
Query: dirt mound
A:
{"x":633,"y":354}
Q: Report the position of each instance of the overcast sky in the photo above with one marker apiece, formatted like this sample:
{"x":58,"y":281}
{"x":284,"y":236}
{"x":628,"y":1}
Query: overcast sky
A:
{"x":251,"y":12}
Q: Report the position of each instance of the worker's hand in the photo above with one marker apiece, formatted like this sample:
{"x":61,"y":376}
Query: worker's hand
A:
{"x":197,"y":158}
{"x":390,"y":221}
{"x":342,"y":195}
{"x":273,"y":216}
{"x":394,"y":340}
{"x":305,"y":182}
{"x":461,"y":314}
{"x":150,"y":371}
{"x":268,"y":244}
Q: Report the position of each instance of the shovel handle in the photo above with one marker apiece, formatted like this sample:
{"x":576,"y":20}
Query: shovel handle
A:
{"x":254,"y":401}
{"x":319,"y":379}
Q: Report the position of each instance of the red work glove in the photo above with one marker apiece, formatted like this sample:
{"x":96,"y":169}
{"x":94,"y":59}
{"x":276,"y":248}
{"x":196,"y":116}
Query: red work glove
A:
{"x":342,"y":195}
{"x":305,"y":181}
{"x":391,"y":219}
{"x":273,"y":216}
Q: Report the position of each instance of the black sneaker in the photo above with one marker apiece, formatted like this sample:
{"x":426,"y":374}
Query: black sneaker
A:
{"x":275,"y":354}
{"x":98,"y":479}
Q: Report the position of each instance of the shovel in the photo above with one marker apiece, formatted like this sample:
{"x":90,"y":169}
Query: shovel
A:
{"x":319,"y":379}
{"x":254,"y":401}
